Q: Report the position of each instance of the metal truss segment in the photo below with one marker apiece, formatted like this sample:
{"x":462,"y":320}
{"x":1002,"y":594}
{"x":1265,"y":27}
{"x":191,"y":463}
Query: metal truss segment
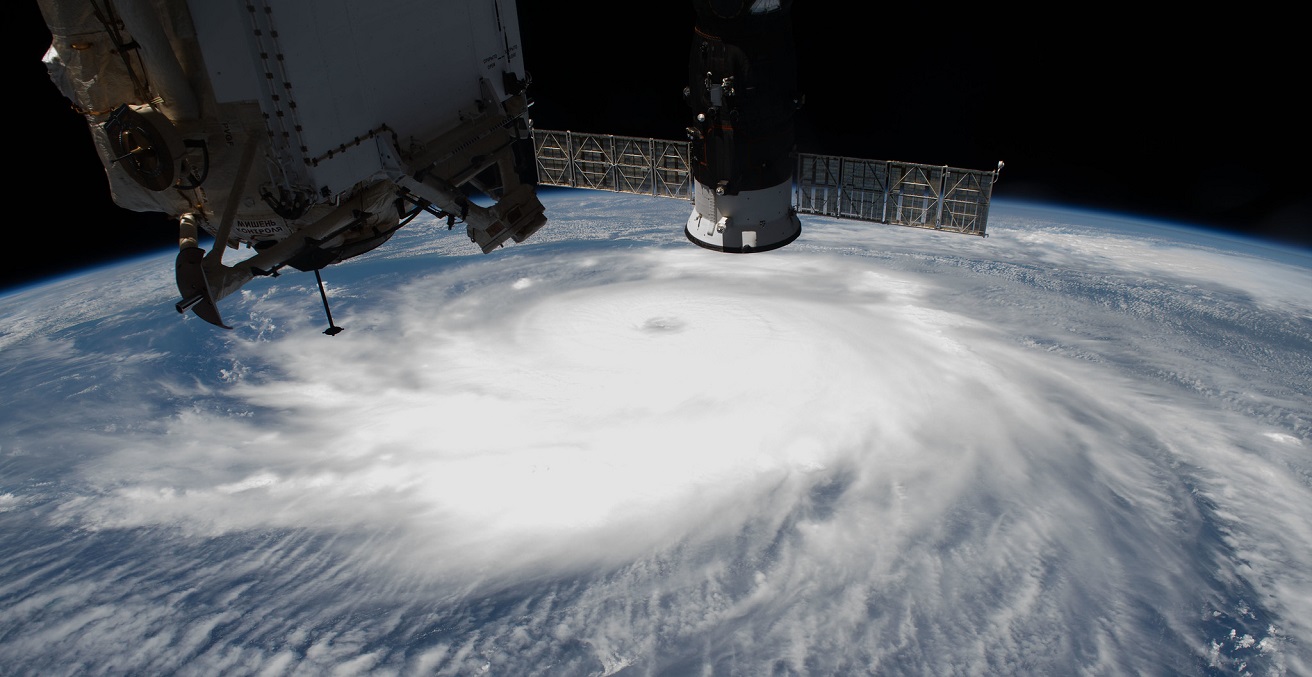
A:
{"x":623,"y":164}
{"x":897,"y":193}
{"x":592,"y":162}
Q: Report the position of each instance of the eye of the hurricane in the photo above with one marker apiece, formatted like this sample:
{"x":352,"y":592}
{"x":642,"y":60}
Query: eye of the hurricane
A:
{"x":662,"y":325}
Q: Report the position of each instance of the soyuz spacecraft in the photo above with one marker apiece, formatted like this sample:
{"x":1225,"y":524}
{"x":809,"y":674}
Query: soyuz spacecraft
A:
{"x":742,"y":87}
{"x":285,"y":127}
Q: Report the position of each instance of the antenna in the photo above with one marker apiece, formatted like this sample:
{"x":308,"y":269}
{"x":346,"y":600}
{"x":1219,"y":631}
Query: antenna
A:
{"x":332,"y":329}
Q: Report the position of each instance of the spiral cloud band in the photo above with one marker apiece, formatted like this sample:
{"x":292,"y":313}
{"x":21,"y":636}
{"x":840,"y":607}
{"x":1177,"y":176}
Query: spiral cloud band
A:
{"x":1076,"y":446}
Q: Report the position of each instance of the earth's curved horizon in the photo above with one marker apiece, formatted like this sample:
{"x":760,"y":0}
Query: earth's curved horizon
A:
{"x":1077,"y":446}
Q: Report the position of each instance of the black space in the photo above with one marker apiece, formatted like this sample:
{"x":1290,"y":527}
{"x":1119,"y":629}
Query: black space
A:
{"x":1191,"y":119}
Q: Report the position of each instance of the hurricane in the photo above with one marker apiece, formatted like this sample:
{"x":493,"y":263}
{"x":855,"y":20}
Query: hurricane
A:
{"x":1077,"y":446}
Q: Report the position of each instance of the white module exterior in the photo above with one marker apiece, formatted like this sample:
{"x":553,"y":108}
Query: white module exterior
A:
{"x":329,"y":72}
{"x":309,"y":130}
{"x":751,"y":221}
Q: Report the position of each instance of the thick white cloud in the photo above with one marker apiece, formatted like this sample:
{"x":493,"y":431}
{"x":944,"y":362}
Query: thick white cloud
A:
{"x":876,"y":450}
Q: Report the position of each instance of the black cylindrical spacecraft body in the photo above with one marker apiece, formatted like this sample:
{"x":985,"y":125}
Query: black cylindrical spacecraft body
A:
{"x":742,"y":88}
